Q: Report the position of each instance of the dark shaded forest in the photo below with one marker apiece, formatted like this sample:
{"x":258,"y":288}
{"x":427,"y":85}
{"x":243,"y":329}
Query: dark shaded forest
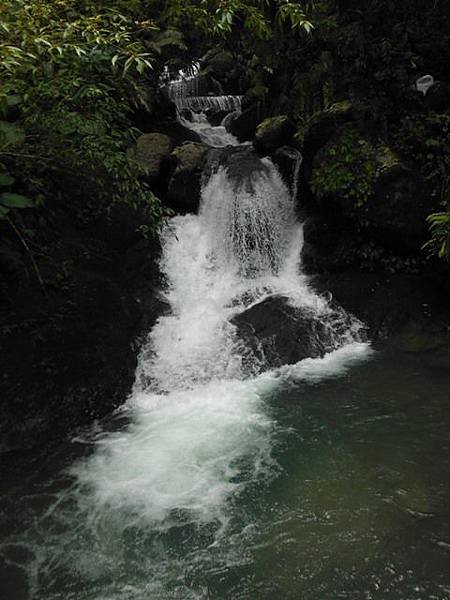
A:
{"x":82,"y":82}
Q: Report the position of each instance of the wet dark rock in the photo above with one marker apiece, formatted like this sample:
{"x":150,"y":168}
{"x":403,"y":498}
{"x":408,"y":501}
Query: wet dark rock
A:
{"x":288,"y":159}
{"x":331,"y":243}
{"x":224,"y":68}
{"x":278,"y":333}
{"x":239,"y":161}
{"x":273,"y":133}
{"x":243,"y":125}
{"x":399,"y":206}
{"x":392,"y":305}
{"x":185,"y":182}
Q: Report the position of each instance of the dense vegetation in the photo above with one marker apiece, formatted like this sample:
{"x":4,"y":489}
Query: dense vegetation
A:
{"x":79,"y":83}
{"x":74,"y":73}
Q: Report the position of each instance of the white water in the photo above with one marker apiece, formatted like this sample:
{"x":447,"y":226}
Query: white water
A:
{"x":196,"y":418}
{"x":217,"y":137}
{"x":199,"y":431}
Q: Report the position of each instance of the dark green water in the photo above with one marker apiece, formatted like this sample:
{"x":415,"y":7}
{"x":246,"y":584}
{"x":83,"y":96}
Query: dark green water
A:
{"x":355,"y":504}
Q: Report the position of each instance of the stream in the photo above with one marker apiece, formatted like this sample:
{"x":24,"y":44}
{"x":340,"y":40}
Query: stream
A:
{"x":223,"y":478}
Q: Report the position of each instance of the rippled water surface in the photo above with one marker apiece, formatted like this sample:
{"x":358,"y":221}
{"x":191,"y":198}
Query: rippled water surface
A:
{"x":221,"y":478}
{"x":353,"y":502}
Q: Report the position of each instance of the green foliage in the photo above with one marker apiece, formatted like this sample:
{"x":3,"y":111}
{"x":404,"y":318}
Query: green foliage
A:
{"x":221,"y":17}
{"x":440,"y":234}
{"x":71,"y":74}
{"x":9,"y":200}
{"x":425,"y":140}
{"x":348,"y":168}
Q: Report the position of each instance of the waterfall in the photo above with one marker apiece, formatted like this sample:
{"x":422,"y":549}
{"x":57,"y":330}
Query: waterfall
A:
{"x":204,"y":103}
{"x":198,"y":430}
{"x":193,"y":97}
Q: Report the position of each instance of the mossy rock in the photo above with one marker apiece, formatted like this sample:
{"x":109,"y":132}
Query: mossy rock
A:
{"x":185,"y":182}
{"x":323,"y":125}
{"x":272,"y":133}
{"x":150,"y":150}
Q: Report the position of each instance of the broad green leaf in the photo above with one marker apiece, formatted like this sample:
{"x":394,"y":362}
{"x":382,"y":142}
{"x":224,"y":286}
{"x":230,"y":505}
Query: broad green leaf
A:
{"x":15,"y":201}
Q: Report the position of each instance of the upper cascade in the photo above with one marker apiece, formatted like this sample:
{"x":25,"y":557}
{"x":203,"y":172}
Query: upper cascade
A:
{"x":202,"y":103}
{"x":196,"y":96}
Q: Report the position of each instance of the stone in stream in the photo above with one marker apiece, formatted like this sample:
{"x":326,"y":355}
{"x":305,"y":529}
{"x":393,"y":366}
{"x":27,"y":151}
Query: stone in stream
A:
{"x":239,"y":161}
{"x":184,"y":185}
{"x":150,"y":152}
{"x":273,"y":133}
{"x":278,"y":333}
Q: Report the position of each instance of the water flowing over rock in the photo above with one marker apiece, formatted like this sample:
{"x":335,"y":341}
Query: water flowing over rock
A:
{"x":196,"y":431}
{"x":289,"y":161}
{"x":280,"y":333}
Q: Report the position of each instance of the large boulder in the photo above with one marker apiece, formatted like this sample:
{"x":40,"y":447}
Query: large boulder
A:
{"x":150,"y":152}
{"x":321,"y":127}
{"x":277,"y":333}
{"x":243,"y":125}
{"x":273,"y":133}
{"x":399,"y":206}
{"x":240,"y":163}
{"x":185,"y":182}
{"x":372,"y":187}
{"x":69,"y":357}
{"x":437,"y":97}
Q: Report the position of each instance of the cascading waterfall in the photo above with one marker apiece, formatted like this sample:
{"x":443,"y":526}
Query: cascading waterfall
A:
{"x":199,"y":432}
{"x":187,"y":93}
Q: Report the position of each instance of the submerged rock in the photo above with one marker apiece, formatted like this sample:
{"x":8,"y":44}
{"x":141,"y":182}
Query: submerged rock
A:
{"x":278,"y":333}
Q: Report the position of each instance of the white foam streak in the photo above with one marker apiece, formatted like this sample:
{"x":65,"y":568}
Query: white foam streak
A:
{"x":184,"y":452}
{"x":333,"y":364}
{"x":217,"y":136}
